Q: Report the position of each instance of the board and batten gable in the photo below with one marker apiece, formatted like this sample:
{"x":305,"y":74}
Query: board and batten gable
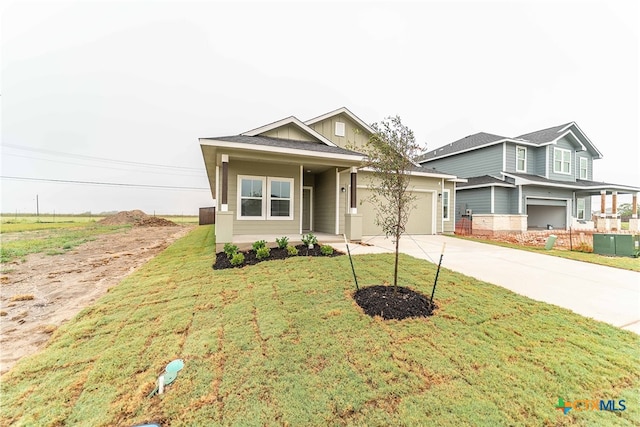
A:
{"x":483,"y":161}
{"x":289,"y":131}
{"x":266,"y":170}
{"x":353,"y":137}
{"x":564,"y":144}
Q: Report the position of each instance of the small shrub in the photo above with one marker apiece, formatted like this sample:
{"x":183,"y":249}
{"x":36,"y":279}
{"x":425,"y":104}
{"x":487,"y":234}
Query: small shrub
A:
{"x":583,"y":247}
{"x":237,"y":259}
{"x":67,"y":246}
{"x":282,"y":242}
{"x":22,"y":297}
{"x":292,"y":250}
{"x":326,"y":250}
{"x":309,"y":239}
{"x":263,"y":252}
{"x":259,"y":245}
{"x":230,"y":249}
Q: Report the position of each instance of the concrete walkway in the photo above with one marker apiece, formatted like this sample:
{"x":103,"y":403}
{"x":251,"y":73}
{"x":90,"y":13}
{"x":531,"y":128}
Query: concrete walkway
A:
{"x":604,"y":293}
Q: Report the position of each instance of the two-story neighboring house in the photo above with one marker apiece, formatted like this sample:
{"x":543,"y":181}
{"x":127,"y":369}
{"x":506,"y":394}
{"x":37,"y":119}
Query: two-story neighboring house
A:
{"x":539,"y":180}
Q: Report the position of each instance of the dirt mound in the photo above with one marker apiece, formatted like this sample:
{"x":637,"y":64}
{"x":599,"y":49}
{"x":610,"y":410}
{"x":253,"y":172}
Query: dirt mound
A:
{"x":136,"y":218}
{"x":382,"y":301}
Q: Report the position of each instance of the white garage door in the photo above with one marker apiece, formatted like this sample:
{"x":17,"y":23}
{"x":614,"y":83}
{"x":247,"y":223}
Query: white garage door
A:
{"x":420,"y":218}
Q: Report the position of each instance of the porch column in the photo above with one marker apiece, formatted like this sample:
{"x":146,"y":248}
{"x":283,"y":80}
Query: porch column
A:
{"x":603,"y":202}
{"x":634,"y":222}
{"x":354,"y":185}
{"x":225,"y":183}
{"x":614,"y":203}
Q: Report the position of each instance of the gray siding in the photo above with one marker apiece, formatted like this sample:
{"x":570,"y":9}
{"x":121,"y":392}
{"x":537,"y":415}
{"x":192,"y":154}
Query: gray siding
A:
{"x":511,"y":158}
{"x":502,"y":201}
{"x":584,"y":155}
{"x":479,"y":200}
{"x":264,"y":170}
{"x":324,"y":202}
{"x":565,"y":144}
{"x":485,"y":161}
{"x":562,"y":193}
{"x":539,"y":158}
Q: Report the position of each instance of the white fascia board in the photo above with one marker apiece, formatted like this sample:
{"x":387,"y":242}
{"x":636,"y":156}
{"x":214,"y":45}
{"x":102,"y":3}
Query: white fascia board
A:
{"x":524,"y":181}
{"x":587,"y":139}
{"x":342,"y":110}
{"x":500,"y":141}
{"x":457,"y":180}
{"x":280,"y":150}
{"x":286,"y":121}
{"x":555,"y":141}
{"x":487,"y":185}
{"x":414,"y":173}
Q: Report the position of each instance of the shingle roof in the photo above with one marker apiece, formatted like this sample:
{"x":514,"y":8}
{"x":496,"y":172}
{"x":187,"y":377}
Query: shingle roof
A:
{"x":285,"y":143}
{"x":544,"y":135}
{"x":466,"y":143}
{"x":580,"y":183}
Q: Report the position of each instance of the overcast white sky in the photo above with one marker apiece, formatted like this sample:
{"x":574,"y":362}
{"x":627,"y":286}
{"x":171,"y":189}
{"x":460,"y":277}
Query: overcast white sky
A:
{"x":141,"y":81}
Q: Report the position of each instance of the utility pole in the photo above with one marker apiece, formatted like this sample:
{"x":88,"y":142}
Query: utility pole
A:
{"x":37,"y":208}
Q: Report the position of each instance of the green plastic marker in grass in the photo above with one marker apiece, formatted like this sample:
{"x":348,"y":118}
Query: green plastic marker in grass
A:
{"x":169,"y":376}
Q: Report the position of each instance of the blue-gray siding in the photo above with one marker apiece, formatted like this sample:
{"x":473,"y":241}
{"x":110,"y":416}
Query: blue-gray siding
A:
{"x":501,"y":200}
{"x":479,"y":200}
{"x":486,"y":161}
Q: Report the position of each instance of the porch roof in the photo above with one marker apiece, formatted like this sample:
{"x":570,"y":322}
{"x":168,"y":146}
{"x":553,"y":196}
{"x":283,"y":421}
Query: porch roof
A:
{"x":289,"y":144}
{"x":581,"y":185}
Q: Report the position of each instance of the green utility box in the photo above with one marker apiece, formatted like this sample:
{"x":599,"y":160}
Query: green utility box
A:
{"x":616,"y":244}
{"x":627,"y":245}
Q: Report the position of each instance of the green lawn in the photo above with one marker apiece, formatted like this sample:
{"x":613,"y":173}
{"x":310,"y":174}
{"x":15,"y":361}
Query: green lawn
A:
{"x":283,"y":343}
{"x":625,"y":263}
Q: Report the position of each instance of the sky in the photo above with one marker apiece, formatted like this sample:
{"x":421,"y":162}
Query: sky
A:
{"x":120,"y":92}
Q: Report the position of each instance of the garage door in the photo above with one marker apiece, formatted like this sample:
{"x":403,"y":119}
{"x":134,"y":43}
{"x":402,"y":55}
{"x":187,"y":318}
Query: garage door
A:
{"x":420,"y":218}
{"x":541,"y":217}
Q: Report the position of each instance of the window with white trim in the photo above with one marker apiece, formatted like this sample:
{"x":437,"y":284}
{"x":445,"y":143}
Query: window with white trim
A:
{"x":584,"y":165}
{"x":580,"y":208}
{"x":521,"y":159}
{"x":251,"y":197}
{"x":280,"y":198}
{"x":262,"y":197}
{"x":561,"y":161}
{"x":446,"y":211}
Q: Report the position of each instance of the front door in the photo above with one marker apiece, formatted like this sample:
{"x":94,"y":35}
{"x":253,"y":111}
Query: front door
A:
{"x":307,"y":209}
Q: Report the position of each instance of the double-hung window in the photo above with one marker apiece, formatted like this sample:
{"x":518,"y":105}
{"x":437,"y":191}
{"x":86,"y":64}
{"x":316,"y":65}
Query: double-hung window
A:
{"x":584,"y":164}
{"x":521,"y":159}
{"x":262,"y":197}
{"x":580,"y":208}
{"x":561,"y":161}
{"x":445,"y":205}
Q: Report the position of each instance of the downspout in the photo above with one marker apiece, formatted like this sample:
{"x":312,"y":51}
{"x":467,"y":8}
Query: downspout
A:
{"x":301,"y":195}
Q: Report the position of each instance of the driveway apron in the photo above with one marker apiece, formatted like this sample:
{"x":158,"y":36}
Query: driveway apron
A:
{"x":608,"y":294}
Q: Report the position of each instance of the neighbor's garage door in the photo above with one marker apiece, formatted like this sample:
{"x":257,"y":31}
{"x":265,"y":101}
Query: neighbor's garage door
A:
{"x":420,"y":218}
{"x":540,"y":215}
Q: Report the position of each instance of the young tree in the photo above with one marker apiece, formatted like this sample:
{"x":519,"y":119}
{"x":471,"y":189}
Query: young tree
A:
{"x":389,"y":154}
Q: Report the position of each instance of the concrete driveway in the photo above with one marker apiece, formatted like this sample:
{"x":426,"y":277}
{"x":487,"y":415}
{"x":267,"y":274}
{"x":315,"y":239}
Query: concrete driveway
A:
{"x":608,"y":294}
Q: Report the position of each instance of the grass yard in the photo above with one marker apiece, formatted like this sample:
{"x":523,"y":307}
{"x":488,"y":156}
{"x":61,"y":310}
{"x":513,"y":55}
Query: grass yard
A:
{"x":625,"y":263}
{"x":53,"y":241}
{"x":283,"y":343}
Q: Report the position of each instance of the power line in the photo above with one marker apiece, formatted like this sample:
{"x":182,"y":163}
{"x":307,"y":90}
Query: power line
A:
{"x":101,"y":159}
{"x":164,"y":172}
{"x":113,"y":184}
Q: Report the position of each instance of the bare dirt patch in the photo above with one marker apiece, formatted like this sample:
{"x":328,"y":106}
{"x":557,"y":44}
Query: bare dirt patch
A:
{"x":62,"y":285}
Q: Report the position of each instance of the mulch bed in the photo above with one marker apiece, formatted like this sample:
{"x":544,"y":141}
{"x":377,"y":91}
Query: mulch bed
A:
{"x":380,"y":301}
{"x":222,"y":261}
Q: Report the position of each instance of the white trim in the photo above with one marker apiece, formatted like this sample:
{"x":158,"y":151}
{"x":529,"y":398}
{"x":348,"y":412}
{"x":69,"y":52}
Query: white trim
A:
{"x":301,"y":196}
{"x":239,"y":215}
{"x":493,"y":200}
{"x":555,"y":141}
{"x":546,"y":198}
{"x":286,"y":121}
{"x":425,"y":174}
{"x":504,"y":156}
{"x":546,"y":162}
{"x":519,"y":199}
{"x":525,"y":181}
{"x":342,"y":110}
{"x":337,"y":201}
{"x":524,"y":170}
{"x":217,"y":184}
{"x":224,"y":158}
{"x":281,"y":150}
{"x":584,"y":135}
{"x":562,"y":161}
{"x":491,"y":184}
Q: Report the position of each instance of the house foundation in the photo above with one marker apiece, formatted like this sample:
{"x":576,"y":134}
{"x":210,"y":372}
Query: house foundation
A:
{"x":485,"y":224}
